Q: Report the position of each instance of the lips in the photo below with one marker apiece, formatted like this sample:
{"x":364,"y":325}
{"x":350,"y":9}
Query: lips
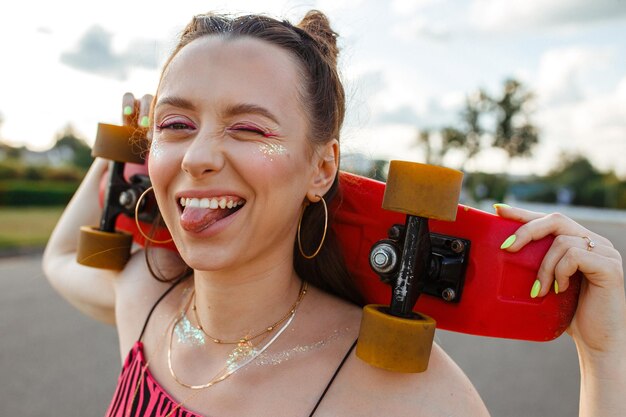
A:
{"x":200,"y":213}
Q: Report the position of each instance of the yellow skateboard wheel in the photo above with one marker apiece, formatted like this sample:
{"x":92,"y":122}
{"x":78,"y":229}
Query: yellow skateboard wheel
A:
{"x":103,"y":250}
{"x":120,"y":143}
{"x":394,"y":343}
{"x":423,"y":190}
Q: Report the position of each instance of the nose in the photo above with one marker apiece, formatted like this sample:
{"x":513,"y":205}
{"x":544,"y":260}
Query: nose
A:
{"x":204,"y":155}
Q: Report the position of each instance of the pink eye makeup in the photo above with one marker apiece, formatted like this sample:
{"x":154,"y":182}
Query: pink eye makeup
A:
{"x":250,"y":128}
{"x":175,"y":123}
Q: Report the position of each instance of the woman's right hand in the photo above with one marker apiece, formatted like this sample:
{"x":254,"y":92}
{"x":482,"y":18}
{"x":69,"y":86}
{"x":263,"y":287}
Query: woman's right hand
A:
{"x":91,"y":290}
{"x":136,"y":112}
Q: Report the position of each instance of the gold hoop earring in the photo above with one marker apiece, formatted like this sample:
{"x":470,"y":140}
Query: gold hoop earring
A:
{"x":323,"y":235}
{"x":149,"y":239}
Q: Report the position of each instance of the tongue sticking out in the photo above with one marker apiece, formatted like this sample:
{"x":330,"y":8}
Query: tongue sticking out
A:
{"x":195,"y":219}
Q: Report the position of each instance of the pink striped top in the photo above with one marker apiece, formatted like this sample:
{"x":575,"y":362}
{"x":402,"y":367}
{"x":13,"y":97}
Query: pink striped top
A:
{"x":137,"y":396}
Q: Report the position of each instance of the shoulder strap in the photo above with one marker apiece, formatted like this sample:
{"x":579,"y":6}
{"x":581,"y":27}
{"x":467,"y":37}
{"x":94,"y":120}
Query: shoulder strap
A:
{"x":343,"y":361}
{"x":174,"y":285}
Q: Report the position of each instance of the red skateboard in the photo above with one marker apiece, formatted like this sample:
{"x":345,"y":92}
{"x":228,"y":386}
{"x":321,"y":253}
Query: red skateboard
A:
{"x":466,"y":282}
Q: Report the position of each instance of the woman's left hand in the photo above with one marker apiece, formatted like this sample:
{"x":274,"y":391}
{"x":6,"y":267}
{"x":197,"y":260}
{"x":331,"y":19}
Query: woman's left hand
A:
{"x":599,"y":324}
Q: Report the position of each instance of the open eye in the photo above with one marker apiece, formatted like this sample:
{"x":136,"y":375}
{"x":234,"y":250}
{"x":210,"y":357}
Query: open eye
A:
{"x":175,"y":126}
{"x":175,"y":123}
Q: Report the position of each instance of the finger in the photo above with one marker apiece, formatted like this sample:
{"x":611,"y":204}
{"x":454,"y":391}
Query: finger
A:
{"x":144,"y":111}
{"x":551,"y":224}
{"x":599,"y":270}
{"x":525,"y":216}
{"x":516,"y":213}
{"x":130,"y":109}
{"x":562,"y":244}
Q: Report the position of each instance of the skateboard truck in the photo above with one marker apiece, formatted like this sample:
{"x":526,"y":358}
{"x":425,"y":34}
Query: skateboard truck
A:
{"x":446,"y":266}
{"x":103,"y":246}
{"x":395,"y":337}
{"x":121,"y":197}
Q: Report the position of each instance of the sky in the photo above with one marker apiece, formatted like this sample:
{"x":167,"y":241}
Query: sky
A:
{"x":407,"y":65}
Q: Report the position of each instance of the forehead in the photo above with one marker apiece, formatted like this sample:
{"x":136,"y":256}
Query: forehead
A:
{"x":220,"y":70}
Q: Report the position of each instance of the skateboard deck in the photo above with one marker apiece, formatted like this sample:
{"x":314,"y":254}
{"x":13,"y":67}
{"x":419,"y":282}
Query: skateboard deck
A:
{"x":495,"y":299}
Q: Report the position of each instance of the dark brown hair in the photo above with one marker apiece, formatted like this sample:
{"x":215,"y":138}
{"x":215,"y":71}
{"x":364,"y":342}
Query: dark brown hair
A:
{"x":314,"y":45}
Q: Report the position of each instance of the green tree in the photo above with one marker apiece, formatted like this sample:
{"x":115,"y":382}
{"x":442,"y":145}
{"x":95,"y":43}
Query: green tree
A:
{"x":469,"y":137}
{"x":432,"y":154}
{"x":14,"y":153}
{"x":514,"y":133}
{"x":588,"y":185}
{"x":486,"y":121}
{"x":67,"y":138}
{"x":573,"y":170}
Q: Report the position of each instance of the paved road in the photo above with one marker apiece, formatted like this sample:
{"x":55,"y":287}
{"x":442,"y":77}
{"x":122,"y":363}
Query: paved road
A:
{"x":55,"y":362}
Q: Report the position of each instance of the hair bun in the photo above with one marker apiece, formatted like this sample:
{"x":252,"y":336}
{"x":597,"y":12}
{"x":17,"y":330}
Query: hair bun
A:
{"x":316,"y":24}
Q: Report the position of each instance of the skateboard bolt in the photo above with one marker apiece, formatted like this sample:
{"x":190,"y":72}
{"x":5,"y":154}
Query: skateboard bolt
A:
{"x":383,"y":258}
{"x":128,"y":199}
{"x":457,"y":246}
{"x":448,"y":294}
{"x":395,"y":231}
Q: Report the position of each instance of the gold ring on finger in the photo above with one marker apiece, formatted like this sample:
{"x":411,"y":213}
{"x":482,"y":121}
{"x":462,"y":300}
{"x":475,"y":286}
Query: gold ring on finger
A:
{"x":590,"y":243}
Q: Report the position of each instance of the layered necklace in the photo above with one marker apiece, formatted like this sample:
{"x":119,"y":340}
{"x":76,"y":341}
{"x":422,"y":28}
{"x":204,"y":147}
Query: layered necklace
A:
{"x":244,"y":352}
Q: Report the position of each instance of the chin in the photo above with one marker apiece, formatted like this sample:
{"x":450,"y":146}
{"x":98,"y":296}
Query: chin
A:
{"x":206,"y":260}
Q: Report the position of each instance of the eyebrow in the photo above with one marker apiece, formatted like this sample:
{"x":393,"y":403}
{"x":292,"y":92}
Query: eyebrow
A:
{"x":231,"y":110}
{"x":242,"y":108}
{"x":175,"y":102}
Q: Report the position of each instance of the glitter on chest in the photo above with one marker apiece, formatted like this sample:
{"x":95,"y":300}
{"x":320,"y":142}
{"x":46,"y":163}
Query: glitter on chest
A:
{"x":187,"y":333}
{"x":280,"y":357}
{"x":241,"y":355}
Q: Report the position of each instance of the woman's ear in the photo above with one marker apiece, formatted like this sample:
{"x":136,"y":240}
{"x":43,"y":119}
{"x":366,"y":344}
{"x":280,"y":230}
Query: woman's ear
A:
{"x":326,"y":168}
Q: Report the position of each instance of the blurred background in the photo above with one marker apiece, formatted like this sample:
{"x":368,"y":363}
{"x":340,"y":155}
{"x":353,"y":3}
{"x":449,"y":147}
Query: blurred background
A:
{"x":527,"y":98}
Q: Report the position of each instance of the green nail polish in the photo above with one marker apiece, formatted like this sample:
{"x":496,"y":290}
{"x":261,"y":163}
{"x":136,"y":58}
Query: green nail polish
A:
{"x":556,"y":287}
{"x":501,"y":205}
{"x":508,"y":242}
{"x":128,"y":111}
{"x":145,"y":121}
{"x":534,"y":292}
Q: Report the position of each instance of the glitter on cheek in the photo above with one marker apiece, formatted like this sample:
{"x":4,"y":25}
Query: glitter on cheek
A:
{"x":156,"y":151}
{"x":272,"y":149}
{"x":187,"y":333}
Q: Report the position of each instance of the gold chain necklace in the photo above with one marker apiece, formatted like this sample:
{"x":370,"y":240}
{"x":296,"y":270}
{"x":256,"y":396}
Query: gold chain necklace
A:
{"x":247,"y":339}
{"x":243,"y":354}
{"x":216,"y":380}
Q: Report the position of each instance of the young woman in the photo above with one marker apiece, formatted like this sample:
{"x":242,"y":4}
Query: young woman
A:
{"x":245,"y":138}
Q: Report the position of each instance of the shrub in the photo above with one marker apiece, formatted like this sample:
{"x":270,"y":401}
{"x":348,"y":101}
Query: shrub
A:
{"x":36,"y":193}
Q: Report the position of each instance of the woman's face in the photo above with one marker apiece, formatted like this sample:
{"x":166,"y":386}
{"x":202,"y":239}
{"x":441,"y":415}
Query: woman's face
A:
{"x":230,"y":162}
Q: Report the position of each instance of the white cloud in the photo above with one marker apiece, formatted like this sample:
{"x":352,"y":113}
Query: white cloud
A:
{"x":382,"y":142}
{"x":568,"y":74}
{"x":404,"y":7}
{"x":360,"y":88}
{"x":430,"y":20}
{"x":95,"y":53}
{"x":420,"y":27}
{"x":594,"y":126}
{"x":329,"y":6}
{"x":431,"y":112}
{"x":506,"y":15}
